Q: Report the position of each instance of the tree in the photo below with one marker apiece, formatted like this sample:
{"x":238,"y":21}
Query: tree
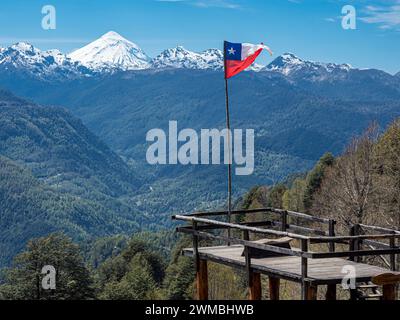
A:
{"x":388,"y":163}
{"x":275,"y":196}
{"x":315,"y":177}
{"x":179,"y":278}
{"x":137,"y":284}
{"x":348,"y":189}
{"x":137,"y":273}
{"x":24,"y":279}
{"x":293,"y":198}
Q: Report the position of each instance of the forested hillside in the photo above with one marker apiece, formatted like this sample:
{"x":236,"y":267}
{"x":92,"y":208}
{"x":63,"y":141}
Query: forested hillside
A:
{"x":57,"y":176}
{"x":30,"y":208}
{"x":360,"y":185}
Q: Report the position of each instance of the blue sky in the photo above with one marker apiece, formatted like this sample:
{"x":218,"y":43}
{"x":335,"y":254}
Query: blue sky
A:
{"x":309,"y":28}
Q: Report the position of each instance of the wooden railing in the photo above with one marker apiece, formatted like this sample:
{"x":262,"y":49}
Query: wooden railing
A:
{"x":200,"y":227}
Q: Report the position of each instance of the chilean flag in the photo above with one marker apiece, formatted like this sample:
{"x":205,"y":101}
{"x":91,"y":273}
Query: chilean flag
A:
{"x":239,"y":56}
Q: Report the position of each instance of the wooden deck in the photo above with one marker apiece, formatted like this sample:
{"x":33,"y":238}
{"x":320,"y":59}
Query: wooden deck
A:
{"x":310,"y":269}
{"x":320,"y":271}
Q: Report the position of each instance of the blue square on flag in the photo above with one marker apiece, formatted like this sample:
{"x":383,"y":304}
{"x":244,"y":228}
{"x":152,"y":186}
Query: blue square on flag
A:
{"x":233,"y":51}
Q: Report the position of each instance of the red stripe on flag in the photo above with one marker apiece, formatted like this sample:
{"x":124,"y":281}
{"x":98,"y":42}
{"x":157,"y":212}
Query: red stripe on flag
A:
{"x":232,"y":68}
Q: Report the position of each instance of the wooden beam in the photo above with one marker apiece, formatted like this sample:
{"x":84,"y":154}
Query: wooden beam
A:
{"x":389,"y":283}
{"x":249,"y":244}
{"x":202,"y":280}
{"x":331,"y":292}
{"x":379,"y":229}
{"x":352,"y":254}
{"x":274,"y":284}
{"x":255,"y":286}
{"x":360,"y":237}
{"x":386,"y":278}
{"x":253,"y":211}
{"x":241,"y":227}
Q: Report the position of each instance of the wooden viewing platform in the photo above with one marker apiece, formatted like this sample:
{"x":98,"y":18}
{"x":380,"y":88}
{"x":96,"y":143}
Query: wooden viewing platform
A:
{"x":310,"y":269}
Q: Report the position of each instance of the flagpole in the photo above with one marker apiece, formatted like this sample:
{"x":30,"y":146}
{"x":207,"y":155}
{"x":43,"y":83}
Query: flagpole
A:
{"x":228,"y":127}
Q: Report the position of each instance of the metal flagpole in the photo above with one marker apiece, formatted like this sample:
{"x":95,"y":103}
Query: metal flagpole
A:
{"x":228,"y":127}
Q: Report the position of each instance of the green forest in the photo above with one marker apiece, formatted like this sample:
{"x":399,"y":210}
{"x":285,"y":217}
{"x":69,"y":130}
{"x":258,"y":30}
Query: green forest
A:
{"x":359,"y":186}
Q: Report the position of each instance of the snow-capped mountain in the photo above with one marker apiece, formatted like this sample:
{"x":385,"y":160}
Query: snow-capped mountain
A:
{"x":179,"y":58}
{"x":48,"y":64}
{"x":289,"y":64}
{"x":110,"y":52}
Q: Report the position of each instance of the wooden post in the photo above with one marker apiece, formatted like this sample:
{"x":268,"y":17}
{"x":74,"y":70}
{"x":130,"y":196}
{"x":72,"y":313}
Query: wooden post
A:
{"x":352,"y":242}
{"x":331,"y":232}
{"x":352,"y":246}
{"x":393,"y":256}
{"x":255,"y":286}
{"x":304,"y":270}
{"x":200,"y":267}
{"x":274,"y":284}
{"x":195,"y":246}
{"x":393,"y":267}
{"x":331,"y":288}
{"x":253,"y":278}
{"x":284,"y":221}
{"x":202,"y":281}
{"x":312,"y":291}
{"x":389,"y":292}
{"x":357,"y":244}
{"x":246,"y":235}
{"x":331,"y":292}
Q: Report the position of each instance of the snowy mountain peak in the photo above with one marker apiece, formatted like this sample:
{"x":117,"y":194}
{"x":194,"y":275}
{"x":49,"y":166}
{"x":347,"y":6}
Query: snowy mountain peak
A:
{"x":111,"y":52}
{"x":291,"y":58}
{"x":290,"y":64}
{"x":181,"y":58}
{"x":24,"y":46}
{"x":47,"y":65}
{"x":112,"y":35}
{"x":286,"y":63}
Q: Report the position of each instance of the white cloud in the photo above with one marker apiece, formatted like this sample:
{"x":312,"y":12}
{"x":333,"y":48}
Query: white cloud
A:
{"x":330,"y":20}
{"x":44,"y":40}
{"x":385,"y":16}
{"x":228,"y":4}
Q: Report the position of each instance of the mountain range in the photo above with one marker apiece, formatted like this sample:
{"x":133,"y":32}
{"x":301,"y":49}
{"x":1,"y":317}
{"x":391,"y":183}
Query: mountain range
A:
{"x":112,"y":53}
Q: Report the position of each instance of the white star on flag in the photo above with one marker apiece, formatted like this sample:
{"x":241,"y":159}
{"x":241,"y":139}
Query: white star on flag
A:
{"x":231,"y":51}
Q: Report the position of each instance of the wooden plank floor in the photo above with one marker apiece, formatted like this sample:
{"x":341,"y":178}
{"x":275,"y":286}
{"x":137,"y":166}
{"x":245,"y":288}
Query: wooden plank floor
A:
{"x":320,"y":271}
